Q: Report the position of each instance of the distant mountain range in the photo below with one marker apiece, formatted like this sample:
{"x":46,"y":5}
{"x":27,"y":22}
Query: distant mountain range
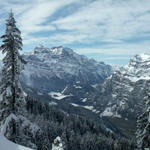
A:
{"x":53,"y":69}
{"x":62,"y":74}
{"x":59,"y":75}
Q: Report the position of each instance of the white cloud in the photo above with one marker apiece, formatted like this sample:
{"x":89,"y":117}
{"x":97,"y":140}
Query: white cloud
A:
{"x":118,"y":49}
{"x":32,"y":20}
{"x":32,"y":14}
{"x":109,"y":20}
{"x":32,"y":40}
{"x":17,"y":6}
{"x":100,"y":21}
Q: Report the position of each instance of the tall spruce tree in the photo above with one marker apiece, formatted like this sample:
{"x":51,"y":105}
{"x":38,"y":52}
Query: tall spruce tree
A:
{"x":13,"y":123}
{"x":11,"y":95}
{"x":143,"y":124}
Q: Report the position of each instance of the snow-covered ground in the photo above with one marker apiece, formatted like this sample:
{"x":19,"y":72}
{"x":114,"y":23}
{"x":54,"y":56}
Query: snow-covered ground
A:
{"x":58,"y":95}
{"x":108,"y":112}
{"x":86,"y":107}
{"x":8,"y":145}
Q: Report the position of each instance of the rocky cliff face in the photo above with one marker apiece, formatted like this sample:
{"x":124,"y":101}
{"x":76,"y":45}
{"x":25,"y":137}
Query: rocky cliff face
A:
{"x":123,"y":93}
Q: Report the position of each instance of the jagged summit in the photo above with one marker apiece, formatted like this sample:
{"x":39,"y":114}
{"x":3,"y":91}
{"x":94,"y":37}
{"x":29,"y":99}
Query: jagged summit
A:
{"x":142,"y":57}
{"x":139,"y":60}
{"x":126,"y":88}
{"x":59,"y":50}
{"x":41,"y":49}
{"x":138,"y":67}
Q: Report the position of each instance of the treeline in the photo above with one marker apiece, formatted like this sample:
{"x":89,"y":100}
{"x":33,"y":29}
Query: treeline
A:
{"x":78,"y":133}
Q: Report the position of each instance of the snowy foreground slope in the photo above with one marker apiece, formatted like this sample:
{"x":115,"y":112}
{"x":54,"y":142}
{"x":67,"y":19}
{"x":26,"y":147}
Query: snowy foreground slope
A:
{"x":8,"y":145}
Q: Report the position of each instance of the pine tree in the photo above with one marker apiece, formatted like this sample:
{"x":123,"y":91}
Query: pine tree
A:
{"x":13,"y":123}
{"x":143,"y":124}
{"x":11,"y":95}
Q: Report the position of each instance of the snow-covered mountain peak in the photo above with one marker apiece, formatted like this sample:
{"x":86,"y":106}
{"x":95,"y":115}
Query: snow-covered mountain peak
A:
{"x":127,"y":86}
{"x":60,"y":50}
{"x":57,"y":50}
{"x":62,"y":65}
{"x":139,"y":66}
{"x":142,"y":57}
{"x":41,"y":49}
{"x":139,"y":60}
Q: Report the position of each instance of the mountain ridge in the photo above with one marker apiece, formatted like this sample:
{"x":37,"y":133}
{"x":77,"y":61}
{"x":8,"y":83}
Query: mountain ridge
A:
{"x":60,"y":66}
{"x":127,"y":88}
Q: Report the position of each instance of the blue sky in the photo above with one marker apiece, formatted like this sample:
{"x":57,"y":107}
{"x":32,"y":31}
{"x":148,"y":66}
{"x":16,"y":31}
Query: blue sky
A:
{"x":108,"y":30}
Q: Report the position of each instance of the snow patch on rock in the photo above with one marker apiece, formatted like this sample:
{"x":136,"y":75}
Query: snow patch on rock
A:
{"x":58,"y":95}
{"x":108,"y":112}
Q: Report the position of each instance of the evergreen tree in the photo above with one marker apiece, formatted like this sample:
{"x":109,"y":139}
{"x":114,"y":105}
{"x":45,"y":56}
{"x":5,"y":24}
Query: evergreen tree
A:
{"x":13,"y":123}
{"x":143,"y":124}
{"x":11,"y":95}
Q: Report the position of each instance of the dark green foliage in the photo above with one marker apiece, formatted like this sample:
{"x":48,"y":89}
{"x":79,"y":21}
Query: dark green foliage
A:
{"x":78,"y":133}
{"x":12,"y":102}
{"x":13,"y":123}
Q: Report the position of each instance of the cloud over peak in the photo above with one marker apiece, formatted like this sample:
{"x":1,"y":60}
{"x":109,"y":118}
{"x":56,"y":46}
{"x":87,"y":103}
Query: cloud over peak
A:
{"x":92,"y":24}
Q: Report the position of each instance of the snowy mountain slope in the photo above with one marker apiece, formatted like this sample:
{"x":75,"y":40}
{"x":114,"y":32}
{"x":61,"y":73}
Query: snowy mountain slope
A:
{"x":52,"y":69}
{"x":124,"y":91}
{"x":62,"y":74}
{"x":8,"y":145}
